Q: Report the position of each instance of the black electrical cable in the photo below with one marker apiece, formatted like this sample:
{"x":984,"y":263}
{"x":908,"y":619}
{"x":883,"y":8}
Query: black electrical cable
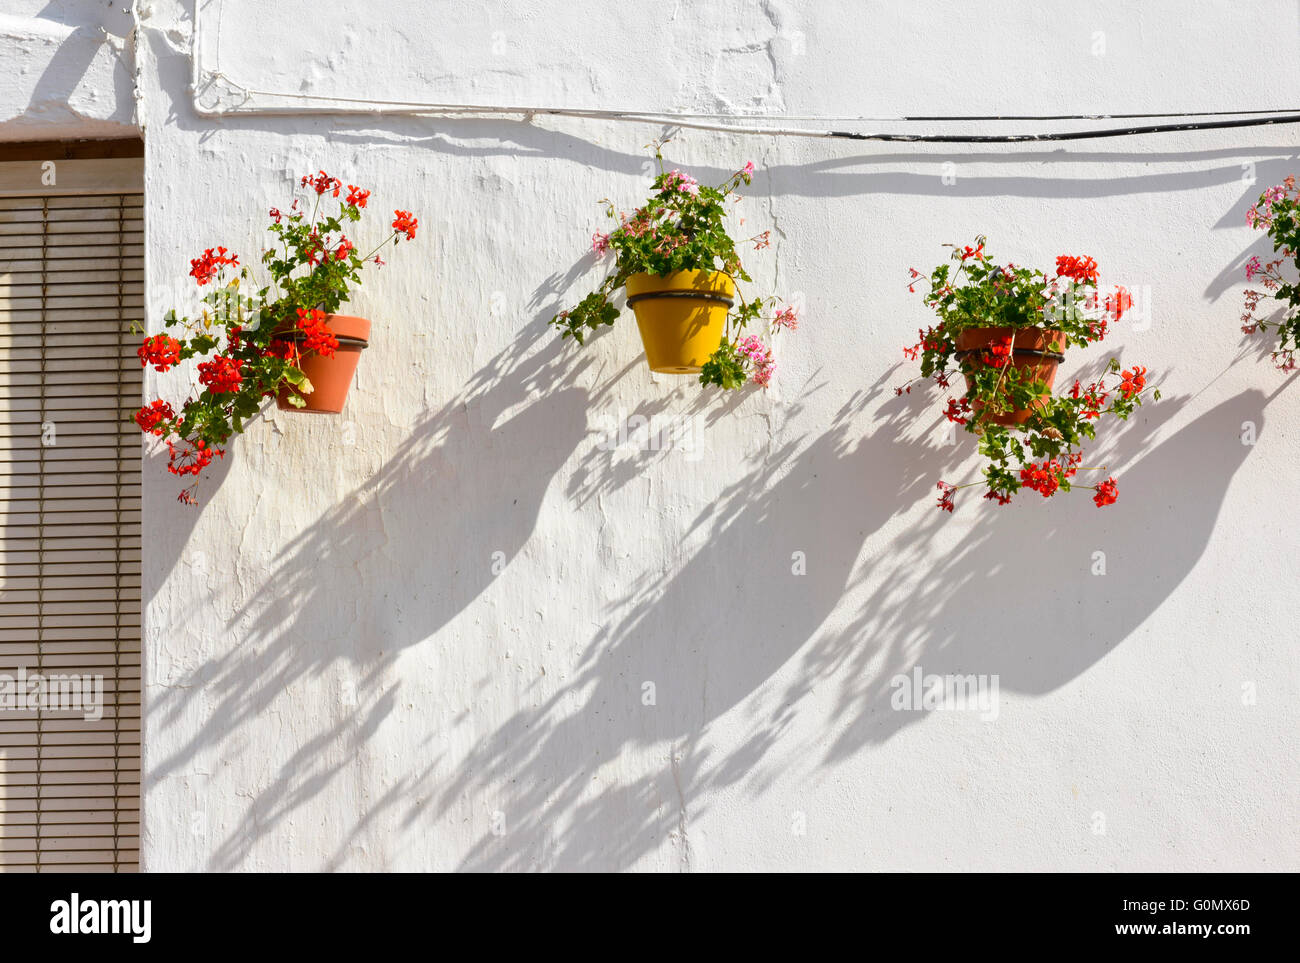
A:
{"x":927,"y":118}
{"x":1254,"y":118}
{"x":1062,"y":135}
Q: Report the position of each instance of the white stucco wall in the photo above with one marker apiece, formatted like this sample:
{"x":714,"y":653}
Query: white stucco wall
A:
{"x":416,"y":636}
{"x":68,"y":70}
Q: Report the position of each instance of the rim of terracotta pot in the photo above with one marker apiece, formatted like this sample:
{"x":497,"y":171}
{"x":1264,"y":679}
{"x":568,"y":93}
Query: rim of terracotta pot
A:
{"x":342,"y":339}
{"x":1050,"y":342}
{"x":1056,"y":356}
{"x":350,"y":329}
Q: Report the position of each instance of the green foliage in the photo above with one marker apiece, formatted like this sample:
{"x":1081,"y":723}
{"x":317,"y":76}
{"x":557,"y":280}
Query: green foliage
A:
{"x":592,"y":312}
{"x":726,"y":368}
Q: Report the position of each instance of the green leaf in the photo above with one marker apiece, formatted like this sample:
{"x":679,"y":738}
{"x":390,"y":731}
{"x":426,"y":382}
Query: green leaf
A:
{"x":295,"y":377}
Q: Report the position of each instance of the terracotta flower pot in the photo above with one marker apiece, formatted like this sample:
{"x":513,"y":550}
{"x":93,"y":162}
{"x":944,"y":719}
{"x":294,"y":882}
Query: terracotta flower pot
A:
{"x":1034,"y":350}
{"x":682,"y":317}
{"x":330,"y":377}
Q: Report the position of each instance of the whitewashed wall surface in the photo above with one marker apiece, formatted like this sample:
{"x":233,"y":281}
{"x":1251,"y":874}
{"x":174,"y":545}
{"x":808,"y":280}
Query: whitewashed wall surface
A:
{"x":453,"y":628}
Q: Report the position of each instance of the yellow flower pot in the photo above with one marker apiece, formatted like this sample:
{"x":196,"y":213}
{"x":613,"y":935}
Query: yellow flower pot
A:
{"x":682,"y":317}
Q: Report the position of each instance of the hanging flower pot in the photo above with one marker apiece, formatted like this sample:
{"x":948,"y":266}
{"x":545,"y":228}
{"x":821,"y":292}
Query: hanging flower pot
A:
{"x":272,"y":337}
{"x":680,"y":268}
{"x":330,"y":376}
{"x":1004,"y":328}
{"x":1034,"y":356}
{"x":682,"y":317}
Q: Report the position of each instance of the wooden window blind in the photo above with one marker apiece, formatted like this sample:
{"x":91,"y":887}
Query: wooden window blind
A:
{"x":71,"y":282}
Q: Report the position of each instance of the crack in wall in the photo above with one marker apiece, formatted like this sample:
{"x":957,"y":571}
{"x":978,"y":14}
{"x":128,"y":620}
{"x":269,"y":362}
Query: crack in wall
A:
{"x":683,"y":832}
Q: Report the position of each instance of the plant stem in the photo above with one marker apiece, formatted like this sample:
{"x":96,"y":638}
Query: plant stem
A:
{"x":379,"y":246}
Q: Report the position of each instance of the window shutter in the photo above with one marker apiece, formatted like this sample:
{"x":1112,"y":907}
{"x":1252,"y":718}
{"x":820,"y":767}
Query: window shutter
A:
{"x":71,"y":281}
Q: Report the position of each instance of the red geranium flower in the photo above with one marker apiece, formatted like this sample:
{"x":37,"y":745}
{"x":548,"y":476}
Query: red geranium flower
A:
{"x":999,"y":352}
{"x":1118,"y":303}
{"x":946,"y":492}
{"x":278,"y":348}
{"x":404,"y":223}
{"x":190,"y":459}
{"x":322,"y":182}
{"x":1134,"y":381}
{"x":221,"y":375}
{"x":203,"y":269}
{"x":152,"y":414}
{"x":1106,"y":493}
{"x":160,"y":351}
{"x":1044,"y":479}
{"x":1078,"y":268}
{"x":318,"y":338}
{"x":357,"y":196}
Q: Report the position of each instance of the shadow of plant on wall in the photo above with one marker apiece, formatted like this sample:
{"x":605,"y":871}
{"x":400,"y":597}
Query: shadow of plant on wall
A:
{"x":1016,"y":598}
{"x":1037,"y":599}
{"x":415,"y":529}
{"x":706,"y":635}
